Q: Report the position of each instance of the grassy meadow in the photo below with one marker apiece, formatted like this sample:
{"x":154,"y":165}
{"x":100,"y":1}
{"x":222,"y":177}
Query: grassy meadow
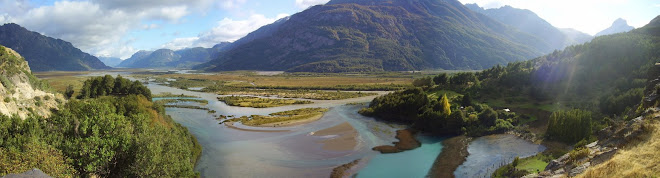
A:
{"x":256,"y":102}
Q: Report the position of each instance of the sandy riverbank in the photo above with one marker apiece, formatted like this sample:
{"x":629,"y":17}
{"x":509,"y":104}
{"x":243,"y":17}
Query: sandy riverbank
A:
{"x":231,"y":125}
{"x":454,"y":153}
{"x":407,"y":141}
{"x":340,"y":171}
{"x":345,"y":137}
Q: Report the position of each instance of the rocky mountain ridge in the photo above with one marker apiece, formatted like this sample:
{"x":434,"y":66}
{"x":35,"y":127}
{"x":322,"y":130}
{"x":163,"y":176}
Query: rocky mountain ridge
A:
{"x":21,"y":93}
{"x":45,"y":53}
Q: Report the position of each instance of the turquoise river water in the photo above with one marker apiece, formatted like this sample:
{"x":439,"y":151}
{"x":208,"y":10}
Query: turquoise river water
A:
{"x":230,"y":152}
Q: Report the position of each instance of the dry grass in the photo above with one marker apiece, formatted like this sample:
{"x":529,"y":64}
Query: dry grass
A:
{"x":640,"y":160}
{"x":297,"y":81}
{"x":60,"y":83}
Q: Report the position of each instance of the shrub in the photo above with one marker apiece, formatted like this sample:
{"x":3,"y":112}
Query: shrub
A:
{"x":577,"y":154}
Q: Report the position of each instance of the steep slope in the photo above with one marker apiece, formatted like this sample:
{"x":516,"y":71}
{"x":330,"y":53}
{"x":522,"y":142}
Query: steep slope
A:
{"x":530,"y":23}
{"x":607,"y":74}
{"x":166,"y":58}
{"x":21,"y":93}
{"x":618,"y":26}
{"x":45,"y":53}
{"x":376,"y":35}
{"x":110,"y":61}
{"x":262,"y":32}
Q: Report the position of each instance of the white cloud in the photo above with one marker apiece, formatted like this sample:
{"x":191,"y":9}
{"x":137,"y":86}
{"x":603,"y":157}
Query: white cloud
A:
{"x":98,"y":26}
{"x":180,"y":43}
{"x":303,"y":4}
{"x":150,"y":26}
{"x":227,"y":29}
{"x":231,"y":4}
{"x":84,"y":24}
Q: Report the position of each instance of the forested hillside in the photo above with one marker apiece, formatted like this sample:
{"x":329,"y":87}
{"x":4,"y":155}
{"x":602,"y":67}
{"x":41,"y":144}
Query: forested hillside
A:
{"x":604,"y":79}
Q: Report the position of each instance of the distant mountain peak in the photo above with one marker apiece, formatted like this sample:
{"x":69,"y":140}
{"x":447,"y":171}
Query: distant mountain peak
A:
{"x":45,"y":53}
{"x":620,"y":22}
{"x":618,"y":26}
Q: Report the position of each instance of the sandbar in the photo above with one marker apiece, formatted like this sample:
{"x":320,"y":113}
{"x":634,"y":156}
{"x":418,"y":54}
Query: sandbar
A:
{"x":345,"y":137}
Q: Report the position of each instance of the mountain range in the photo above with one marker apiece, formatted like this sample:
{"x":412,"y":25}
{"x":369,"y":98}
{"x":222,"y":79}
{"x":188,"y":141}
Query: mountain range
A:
{"x":45,"y":53}
{"x":167,"y":58}
{"x":530,"y":23}
{"x":343,"y":36}
{"x":374,"y":35}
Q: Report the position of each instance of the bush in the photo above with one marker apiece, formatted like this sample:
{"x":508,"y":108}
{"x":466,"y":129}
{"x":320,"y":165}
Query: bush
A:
{"x":577,"y":154}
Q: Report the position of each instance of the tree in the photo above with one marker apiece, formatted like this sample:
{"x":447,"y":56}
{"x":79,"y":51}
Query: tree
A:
{"x":569,"y":126}
{"x":423,"y":82}
{"x":515,"y":161}
{"x":441,"y":79}
{"x":467,"y":100}
{"x":69,"y":91}
{"x":488,"y":117}
{"x":455,"y":121}
{"x":446,"y":107}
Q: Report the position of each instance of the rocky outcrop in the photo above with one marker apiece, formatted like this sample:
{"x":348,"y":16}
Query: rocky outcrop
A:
{"x":34,"y":173}
{"x":602,"y":150}
{"x":20,"y":92}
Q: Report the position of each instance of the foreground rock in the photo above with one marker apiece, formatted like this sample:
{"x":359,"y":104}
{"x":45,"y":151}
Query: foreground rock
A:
{"x":406,"y":141}
{"x":34,"y":173}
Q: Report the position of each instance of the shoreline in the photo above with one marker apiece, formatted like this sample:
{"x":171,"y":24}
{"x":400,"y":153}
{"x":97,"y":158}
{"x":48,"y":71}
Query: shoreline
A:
{"x":293,"y":122}
{"x":340,"y":171}
{"x":231,"y":125}
{"x":407,"y":141}
{"x":453,"y":154}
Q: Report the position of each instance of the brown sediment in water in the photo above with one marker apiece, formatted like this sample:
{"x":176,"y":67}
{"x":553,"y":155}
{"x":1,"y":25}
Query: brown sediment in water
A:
{"x":406,"y":141}
{"x":454,"y":152}
{"x":340,"y":171}
{"x":231,"y":125}
{"x":345,"y":140}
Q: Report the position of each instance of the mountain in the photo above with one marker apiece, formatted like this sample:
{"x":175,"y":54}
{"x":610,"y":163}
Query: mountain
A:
{"x":166,"y":58}
{"x":21,"y":93}
{"x":262,"y":32}
{"x":377,"y":35}
{"x":110,"y":61}
{"x":530,"y":23}
{"x":577,"y":37}
{"x":45,"y":53}
{"x":618,"y":26}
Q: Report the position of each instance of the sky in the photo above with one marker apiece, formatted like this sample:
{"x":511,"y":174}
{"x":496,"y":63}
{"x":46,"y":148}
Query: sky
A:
{"x":119,"y":28}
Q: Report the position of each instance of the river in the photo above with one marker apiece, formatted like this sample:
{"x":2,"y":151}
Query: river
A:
{"x":298,"y":152}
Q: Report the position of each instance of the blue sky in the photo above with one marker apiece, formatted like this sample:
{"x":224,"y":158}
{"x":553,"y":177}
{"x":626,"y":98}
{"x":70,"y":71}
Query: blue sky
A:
{"x":119,"y":28}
